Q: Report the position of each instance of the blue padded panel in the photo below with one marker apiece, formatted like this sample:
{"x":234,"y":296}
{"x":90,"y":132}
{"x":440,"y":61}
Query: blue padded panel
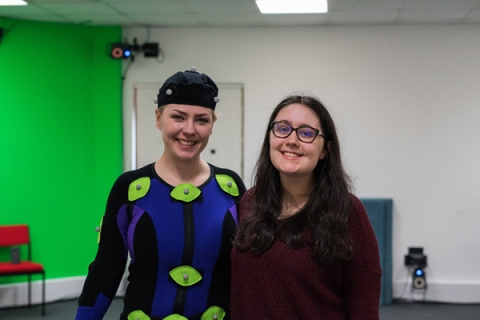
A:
{"x":380,"y":213}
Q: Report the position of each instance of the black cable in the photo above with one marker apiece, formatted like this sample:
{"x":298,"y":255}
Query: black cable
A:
{"x":124,"y":75}
{"x":406,"y":283}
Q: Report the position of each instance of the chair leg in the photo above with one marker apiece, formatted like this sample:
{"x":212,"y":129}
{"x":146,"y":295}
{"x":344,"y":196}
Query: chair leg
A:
{"x":29,"y":290}
{"x":43,"y":294}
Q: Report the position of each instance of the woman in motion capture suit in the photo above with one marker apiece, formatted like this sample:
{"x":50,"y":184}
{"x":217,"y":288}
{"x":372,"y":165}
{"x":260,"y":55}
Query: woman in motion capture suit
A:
{"x":175,"y":217}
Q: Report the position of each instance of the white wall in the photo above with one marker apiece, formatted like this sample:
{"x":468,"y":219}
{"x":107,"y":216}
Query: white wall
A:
{"x":406,"y":103}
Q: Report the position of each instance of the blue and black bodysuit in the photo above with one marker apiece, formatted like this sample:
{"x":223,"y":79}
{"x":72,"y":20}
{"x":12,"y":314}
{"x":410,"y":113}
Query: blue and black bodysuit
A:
{"x":179,"y":241}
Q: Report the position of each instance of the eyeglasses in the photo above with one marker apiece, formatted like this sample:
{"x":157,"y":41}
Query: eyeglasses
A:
{"x":304,"y":133}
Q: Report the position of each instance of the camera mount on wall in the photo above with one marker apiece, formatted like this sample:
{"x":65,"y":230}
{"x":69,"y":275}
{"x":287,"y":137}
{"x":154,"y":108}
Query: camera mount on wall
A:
{"x":416,"y":257}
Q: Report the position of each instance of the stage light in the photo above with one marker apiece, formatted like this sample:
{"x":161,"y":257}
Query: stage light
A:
{"x":126,"y":50}
{"x":120,"y":51}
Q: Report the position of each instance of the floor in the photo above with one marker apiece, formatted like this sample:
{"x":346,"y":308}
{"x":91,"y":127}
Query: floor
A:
{"x":63,"y":310}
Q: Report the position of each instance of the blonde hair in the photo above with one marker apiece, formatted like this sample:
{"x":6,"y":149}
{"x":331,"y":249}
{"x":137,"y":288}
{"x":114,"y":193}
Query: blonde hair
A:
{"x":214,"y":115}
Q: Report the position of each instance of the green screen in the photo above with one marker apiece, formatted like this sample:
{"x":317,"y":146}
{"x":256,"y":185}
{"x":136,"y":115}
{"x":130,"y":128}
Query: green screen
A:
{"x":60,"y":137}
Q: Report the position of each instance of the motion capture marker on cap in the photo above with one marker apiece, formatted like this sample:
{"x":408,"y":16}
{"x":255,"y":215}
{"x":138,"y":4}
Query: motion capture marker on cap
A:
{"x":189,"y":87}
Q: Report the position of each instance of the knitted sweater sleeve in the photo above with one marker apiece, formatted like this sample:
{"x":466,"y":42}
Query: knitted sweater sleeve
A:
{"x":362,"y":274}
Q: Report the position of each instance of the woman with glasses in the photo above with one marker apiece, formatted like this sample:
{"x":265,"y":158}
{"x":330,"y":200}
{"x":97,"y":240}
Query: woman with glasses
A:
{"x":305,"y":248}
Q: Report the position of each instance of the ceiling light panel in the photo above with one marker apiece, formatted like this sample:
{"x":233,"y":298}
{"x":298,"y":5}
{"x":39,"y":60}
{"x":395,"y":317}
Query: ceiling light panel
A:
{"x":12,"y":3}
{"x":292,"y":6}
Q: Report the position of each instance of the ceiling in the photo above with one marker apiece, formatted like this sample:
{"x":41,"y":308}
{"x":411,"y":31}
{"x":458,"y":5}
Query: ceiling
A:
{"x":243,"y":13}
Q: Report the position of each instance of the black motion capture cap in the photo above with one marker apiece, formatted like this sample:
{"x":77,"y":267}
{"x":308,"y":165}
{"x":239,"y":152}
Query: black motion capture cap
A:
{"x":189,"y":87}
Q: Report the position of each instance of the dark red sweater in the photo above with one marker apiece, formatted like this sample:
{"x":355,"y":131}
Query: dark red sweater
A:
{"x":283,"y":283}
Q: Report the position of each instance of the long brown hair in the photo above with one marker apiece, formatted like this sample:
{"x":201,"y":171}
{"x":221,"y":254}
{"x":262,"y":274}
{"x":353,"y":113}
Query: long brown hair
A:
{"x":326,"y":213}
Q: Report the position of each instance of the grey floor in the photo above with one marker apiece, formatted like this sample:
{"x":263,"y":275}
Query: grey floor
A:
{"x":64,"y":310}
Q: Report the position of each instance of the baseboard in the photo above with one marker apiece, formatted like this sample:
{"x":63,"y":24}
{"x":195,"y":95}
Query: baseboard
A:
{"x":442,"y":292}
{"x":16,"y":295}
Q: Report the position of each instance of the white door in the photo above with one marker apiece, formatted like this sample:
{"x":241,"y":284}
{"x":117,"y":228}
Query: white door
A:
{"x":225,"y":147}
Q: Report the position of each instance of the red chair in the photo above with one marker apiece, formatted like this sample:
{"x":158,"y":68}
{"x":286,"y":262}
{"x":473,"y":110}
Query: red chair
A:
{"x":13,"y":236}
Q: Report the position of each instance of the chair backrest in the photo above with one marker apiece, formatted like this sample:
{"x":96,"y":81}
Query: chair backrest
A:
{"x":14,"y":235}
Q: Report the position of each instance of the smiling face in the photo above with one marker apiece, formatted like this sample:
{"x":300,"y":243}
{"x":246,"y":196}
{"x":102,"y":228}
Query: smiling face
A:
{"x":290,"y":156}
{"x":185,"y":130}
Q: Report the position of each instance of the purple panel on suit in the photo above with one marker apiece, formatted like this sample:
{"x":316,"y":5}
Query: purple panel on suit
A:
{"x":233,"y":211}
{"x":137,"y":213}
